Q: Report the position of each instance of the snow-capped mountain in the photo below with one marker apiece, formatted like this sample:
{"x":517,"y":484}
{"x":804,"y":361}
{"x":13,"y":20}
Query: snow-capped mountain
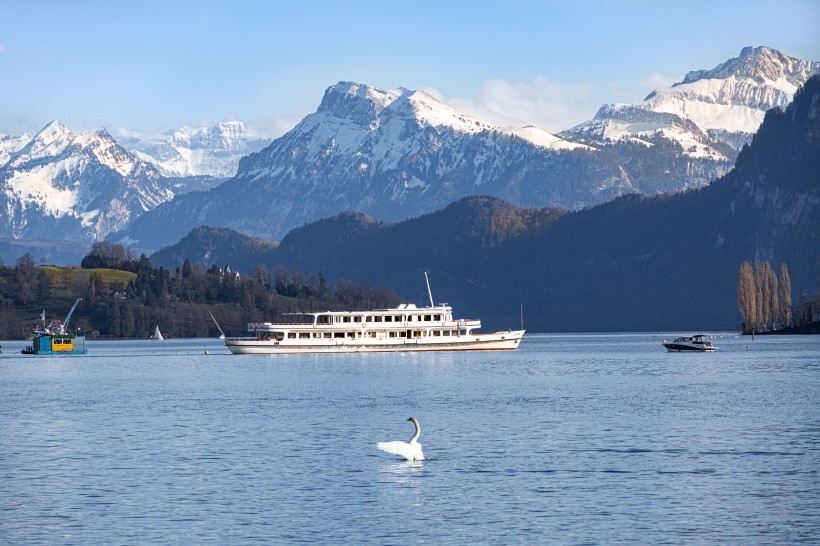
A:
{"x":61,"y":185}
{"x":394,"y":154}
{"x":389,"y":153}
{"x":212,"y":151}
{"x":711,"y":113}
{"x":400,"y":153}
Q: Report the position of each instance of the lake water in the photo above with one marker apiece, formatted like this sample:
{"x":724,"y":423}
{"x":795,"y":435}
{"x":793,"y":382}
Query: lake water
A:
{"x":571,"y":439}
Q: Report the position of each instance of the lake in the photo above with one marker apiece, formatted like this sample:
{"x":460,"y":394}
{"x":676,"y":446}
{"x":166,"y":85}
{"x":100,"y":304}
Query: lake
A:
{"x":572,"y":439}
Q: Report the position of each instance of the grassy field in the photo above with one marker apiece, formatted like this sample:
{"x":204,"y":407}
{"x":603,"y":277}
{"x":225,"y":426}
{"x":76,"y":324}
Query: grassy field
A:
{"x":67,"y":284}
{"x":59,"y":275}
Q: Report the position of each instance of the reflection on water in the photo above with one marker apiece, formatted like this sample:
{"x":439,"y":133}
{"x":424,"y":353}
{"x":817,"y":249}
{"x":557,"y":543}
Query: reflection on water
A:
{"x":571,"y":439}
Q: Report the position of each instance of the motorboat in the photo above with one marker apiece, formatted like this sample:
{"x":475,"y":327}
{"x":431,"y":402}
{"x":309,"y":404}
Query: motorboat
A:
{"x":697,"y":342}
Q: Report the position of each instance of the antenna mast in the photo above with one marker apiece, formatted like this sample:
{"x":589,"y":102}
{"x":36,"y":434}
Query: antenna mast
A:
{"x":429,"y":293}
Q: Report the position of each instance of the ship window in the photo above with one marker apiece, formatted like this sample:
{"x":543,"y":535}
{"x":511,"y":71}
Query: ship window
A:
{"x":388,"y":318}
{"x":392,"y":334}
{"x":372,"y":334}
{"x":338,"y":334}
{"x":357,"y":319}
{"x":304,"y":335}
{"x":346,"y":319}
{"x":402,"y":334}
{"x":462,"y":332}
{"x":377,"y":319}
{"x":446,"y":333}
{"x":437,"y":317}
{"x":436,"y":333}
{"x":291,"y":335}
{"x":427,"y":317}
{"x":328,"y":334}
{"x":316,"y":335}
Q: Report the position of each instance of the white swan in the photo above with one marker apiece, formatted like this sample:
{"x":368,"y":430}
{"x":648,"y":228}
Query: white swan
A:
{"x":409,"y":450}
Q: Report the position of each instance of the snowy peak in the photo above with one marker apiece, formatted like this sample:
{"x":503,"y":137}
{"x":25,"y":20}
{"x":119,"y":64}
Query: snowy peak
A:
{"x":761,"y":64}
{"x":359,"y":112}
{"x":710,"y":109}
{"x":366,"y":105}
{"x":212,"y":151}
{"x":354,"y":101}
{"x":81,"y":186}
{"x":51,"y":140}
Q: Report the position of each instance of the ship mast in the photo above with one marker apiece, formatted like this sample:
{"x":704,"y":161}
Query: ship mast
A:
{"x":429,"y":293}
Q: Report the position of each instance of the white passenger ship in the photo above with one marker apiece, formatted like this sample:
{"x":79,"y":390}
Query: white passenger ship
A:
{"x":405,"y":328}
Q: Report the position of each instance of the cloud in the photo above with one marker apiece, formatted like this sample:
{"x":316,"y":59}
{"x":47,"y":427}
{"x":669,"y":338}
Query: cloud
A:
{"x":656,"y":80}
{"x":550,"y":105}
{"x":274,"y":127}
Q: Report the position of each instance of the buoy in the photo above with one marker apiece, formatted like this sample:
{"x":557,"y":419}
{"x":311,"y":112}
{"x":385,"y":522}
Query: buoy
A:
{"x":206,"y":352}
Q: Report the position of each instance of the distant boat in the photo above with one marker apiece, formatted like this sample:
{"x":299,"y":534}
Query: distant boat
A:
{"x":685,"y":344}
{"x":157,"y":334}
{"x":55,"y":339}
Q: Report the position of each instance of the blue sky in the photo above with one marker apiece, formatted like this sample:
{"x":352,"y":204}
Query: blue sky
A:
{"x":157,"y":65}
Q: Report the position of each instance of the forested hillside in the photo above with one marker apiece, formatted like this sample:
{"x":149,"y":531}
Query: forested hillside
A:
{"x":126,"y":297}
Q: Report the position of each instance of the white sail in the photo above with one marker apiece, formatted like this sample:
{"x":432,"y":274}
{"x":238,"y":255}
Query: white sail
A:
{"x":157,"y":334}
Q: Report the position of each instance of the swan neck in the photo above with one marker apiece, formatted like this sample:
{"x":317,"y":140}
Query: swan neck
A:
{"x":418,"y":432}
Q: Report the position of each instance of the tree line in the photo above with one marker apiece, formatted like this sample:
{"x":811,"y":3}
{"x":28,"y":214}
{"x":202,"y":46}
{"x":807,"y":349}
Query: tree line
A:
{"x":179,"y":301}
{"x":764,"y":302}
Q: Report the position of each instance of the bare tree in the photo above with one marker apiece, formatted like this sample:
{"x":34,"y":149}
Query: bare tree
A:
{"x":771,"y":294}
{"x":785,"y":307}
{"x":760,"y":289}
{"x":747,"y":296}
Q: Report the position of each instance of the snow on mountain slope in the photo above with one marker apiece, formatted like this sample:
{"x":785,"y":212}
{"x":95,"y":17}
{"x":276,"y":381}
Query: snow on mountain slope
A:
{"x":58,"y":184}
{"x":395,"y":154}
{"x":196,"y":151}
{"x":10,"y":145}
{"x":388,"y":153}
{"x":703,"y":111}
{"x":374,"y":125}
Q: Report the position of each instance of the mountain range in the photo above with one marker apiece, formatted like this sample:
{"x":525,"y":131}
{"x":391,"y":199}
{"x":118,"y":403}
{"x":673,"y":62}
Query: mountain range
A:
{"x":61,"y":185}
{"x":667,"y":262}
{"x":393,"y":154}
{"x":396,"y":154}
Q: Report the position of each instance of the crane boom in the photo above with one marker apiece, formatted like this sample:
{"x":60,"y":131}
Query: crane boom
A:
{"x":68,"y":317}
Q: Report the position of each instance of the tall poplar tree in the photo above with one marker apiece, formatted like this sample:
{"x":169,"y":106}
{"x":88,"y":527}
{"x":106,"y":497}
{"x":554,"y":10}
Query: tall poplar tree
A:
{"x":771,"y":295}
{"x":747,"y":296}
{"x":785,"y":292}
{"x":760,"y":296}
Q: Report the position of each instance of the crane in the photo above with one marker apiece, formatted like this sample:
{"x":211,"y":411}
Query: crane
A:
{"x":64,"y":325}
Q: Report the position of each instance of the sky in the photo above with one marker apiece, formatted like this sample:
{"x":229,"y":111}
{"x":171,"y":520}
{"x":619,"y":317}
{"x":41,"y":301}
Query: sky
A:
{"x":152,"y":66}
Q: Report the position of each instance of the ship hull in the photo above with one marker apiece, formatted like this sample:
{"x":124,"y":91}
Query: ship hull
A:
{"x":498,"y":341}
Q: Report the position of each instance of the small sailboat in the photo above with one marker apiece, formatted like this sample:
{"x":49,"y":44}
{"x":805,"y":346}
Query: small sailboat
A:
{"x":157,"y":334}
